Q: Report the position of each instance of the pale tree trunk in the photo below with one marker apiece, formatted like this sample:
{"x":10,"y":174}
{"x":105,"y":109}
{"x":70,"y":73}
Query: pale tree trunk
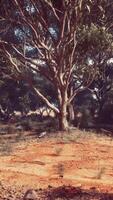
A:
{"x":62,"y":116}
{"x":63,"y":123}
{"x":71,"y":113}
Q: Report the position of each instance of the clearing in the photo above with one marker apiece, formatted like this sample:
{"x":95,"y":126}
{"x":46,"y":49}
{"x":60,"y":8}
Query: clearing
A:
{"x":79,"y":159}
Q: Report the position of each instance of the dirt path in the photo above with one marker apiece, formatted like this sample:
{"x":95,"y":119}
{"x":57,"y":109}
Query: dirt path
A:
{"x":87,"y":162}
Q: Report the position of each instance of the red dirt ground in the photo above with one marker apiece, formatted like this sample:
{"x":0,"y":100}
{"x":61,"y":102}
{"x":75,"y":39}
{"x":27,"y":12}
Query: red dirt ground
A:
{"x":81,"y":162}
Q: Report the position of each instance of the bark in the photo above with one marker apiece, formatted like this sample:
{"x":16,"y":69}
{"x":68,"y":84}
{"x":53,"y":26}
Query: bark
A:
{"x":62,"y":116}
{"x":63,"y":123}
{"x":71,"y":113}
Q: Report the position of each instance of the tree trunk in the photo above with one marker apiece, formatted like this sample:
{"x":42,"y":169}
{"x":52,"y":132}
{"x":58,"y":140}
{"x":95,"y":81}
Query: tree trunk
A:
{"x":71,"y":113}
{"x":63,"y":123}
{"x":62,"y":116}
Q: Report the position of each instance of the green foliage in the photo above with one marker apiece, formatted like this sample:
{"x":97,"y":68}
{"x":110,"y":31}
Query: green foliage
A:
{"x":94,"y":39}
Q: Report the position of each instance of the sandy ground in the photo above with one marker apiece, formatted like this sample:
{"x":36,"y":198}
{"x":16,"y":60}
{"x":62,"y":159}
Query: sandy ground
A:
{"x":82,"y":162}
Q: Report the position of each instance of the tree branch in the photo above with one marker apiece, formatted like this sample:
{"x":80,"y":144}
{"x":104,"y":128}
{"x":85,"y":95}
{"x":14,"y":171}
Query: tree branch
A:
{"x":50,"y":105}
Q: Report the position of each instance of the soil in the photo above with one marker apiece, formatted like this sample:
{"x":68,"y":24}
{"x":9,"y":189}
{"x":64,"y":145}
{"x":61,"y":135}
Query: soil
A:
{"x":80,"y":164}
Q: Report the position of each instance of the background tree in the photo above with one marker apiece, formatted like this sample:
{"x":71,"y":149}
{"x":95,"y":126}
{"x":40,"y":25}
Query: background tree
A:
{"x":96,"y":49}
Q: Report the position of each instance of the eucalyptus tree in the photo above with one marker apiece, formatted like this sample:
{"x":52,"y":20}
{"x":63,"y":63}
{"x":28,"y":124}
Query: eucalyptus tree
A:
{"x":51,"y":30}
{"x":96,"y":48}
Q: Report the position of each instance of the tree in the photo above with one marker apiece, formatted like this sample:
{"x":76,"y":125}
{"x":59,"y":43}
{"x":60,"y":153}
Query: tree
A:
{"x":15,"y":94}
{"x":96,"y":48}
{"x":52,"y":33}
